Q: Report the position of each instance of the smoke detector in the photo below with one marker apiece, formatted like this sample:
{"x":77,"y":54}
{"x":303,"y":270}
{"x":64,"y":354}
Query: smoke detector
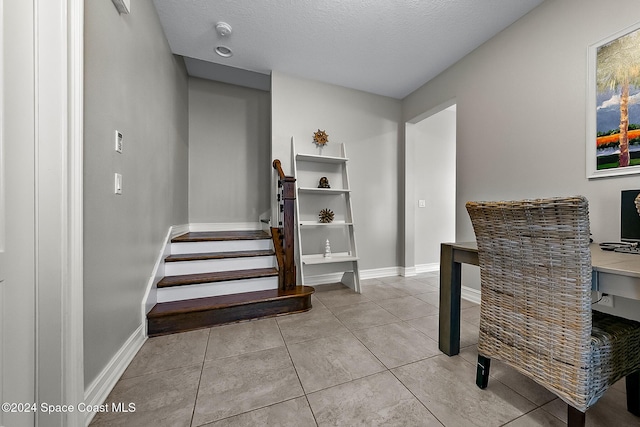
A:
{"x":223,"y":29}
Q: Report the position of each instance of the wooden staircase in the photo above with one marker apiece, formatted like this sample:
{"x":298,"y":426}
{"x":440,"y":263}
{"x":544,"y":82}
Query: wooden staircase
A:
{"x":214,"y":278}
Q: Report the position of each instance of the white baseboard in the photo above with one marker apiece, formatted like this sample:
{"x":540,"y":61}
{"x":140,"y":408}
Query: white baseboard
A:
{"x":177,"y":230}
{"x":225,"y":226}
{"x":407,"y":271}
{"x":466,"y":293}
{"x":427,"y":268}
{"x":100,"y":388}
{"x":150,"y":295}
{"x":322,"y":279}
{"x":470,"y":294}
{"x":374,"y":273}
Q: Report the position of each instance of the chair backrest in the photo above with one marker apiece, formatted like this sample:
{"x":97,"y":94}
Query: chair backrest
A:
{"x":535,"y":268}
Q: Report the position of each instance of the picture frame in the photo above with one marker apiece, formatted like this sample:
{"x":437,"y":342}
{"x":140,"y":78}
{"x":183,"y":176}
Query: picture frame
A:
{"x":613,"y":100}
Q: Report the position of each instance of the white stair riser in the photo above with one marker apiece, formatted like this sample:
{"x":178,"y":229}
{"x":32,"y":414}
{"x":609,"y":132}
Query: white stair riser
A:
{"x":213,"y":265}
{"x":202,"y":290}
{"x":221,"y":246}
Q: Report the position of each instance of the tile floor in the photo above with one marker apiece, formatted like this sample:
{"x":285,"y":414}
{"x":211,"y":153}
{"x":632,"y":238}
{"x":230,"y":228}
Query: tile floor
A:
{"x":355,"y":359}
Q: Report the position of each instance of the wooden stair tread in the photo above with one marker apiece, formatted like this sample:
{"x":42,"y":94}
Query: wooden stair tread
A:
{"x":213,"y":236}
{"x":219,"y":276}
{"x":218,"y":255}
{"x":226,"y":301}
{"x":187,"y":315}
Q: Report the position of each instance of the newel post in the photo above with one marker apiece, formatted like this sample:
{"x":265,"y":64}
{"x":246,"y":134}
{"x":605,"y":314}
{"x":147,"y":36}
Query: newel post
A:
{"x":288,"y":224}
{"x":285,"y":239}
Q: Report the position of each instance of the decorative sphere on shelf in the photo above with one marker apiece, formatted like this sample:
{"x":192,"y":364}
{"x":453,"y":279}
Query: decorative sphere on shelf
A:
{"x":326,"y":216}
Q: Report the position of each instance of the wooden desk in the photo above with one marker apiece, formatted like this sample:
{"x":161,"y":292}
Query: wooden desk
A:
{"x":613,"y":273}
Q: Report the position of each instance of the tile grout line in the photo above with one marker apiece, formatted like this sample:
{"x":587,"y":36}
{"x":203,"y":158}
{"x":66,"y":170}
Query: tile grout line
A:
{"x":256,"y":351}
{"x":416,"y":397}
{"x":204,"y":359}
{"x":304,"y":392}
{"x":387,"y":369}
{"x":335,"y":385}
{"x":468,"y":354}
{"x":409,"y":363}
{"x":535,"y":405}
{"x":369,"y":350}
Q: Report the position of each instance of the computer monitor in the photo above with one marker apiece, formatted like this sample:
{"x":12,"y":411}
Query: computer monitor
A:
{"x":629,"y":217}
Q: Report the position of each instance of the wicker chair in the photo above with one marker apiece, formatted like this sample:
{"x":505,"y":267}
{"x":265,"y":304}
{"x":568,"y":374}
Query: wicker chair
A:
{"x":535,"y":312}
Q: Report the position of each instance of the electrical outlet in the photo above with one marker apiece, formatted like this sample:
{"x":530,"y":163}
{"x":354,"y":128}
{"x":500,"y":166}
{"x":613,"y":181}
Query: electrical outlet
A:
{"x":422,"y":203}
{"x":118,"y":183}
{"x":606,"y":300}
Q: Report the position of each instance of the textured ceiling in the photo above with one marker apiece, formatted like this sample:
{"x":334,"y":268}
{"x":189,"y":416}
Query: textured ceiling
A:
{"x":387,"y":47}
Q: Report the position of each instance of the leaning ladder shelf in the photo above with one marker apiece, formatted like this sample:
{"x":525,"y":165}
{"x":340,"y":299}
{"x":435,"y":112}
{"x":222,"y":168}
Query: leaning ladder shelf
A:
{"x":307,"y":169}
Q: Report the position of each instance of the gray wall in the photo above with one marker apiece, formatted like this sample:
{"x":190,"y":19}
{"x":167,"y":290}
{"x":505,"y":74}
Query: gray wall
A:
{"x":521,"y":105}
{"x":368,"y":125}
{"x":229,"y":152}
{"x":135,"y":85}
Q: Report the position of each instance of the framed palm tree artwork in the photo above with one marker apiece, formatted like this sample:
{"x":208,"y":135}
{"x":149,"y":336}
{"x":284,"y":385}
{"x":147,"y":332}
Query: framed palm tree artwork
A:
{"x":613,"y":112}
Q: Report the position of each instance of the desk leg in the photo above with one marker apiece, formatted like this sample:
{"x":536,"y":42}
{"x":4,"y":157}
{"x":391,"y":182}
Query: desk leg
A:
{"x":450,"y":283}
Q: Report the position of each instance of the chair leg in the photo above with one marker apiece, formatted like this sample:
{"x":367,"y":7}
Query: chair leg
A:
{"x":575,"y":417}
{"x":482,"y":372}
{"x":633,"y":393}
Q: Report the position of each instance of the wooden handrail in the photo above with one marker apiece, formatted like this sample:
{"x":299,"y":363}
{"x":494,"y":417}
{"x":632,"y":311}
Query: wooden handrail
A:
{"x":278,"y":167}
{"x":284,"y":238}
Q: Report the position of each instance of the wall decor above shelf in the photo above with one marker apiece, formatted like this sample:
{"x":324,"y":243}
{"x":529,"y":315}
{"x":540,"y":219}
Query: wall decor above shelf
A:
{"x":310,"y":171}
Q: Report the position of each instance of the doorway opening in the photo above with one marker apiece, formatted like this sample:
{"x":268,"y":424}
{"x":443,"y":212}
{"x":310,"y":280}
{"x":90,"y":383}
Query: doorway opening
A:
{"x":431,"y":139}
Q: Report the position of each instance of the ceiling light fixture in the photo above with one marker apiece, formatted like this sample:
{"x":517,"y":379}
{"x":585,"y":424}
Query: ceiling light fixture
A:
{"x":223,"y":29}
{"x":224,"y":51}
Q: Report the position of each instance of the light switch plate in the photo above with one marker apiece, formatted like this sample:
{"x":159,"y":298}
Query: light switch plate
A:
{"x":118,"y":140}
{"x":422,"y":203}
{"x":118,"y":184}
